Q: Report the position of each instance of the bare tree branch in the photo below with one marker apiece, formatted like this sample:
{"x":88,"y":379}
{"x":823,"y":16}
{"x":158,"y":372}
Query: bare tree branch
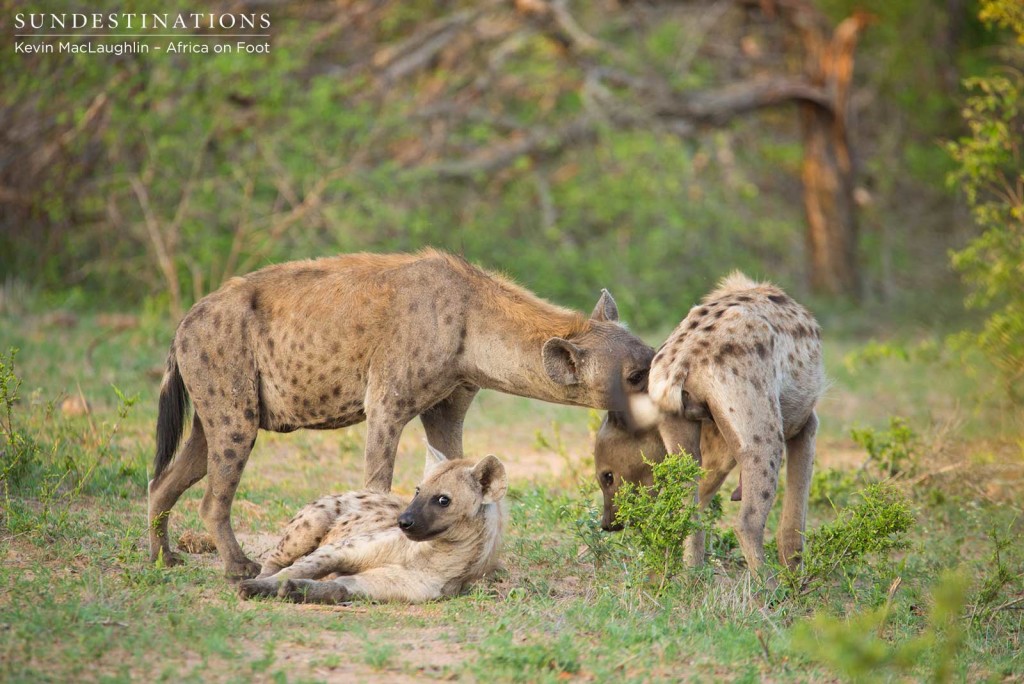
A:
{"x":682,"y":115}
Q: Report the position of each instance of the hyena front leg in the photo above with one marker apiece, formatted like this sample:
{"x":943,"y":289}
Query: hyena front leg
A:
{"x":443,"y":422}
{"x":322,"y":561}
{"x":799,"y":469}
{"x":350,"y":556}
{"x":387,"y":583}
{"x":313,"y":591}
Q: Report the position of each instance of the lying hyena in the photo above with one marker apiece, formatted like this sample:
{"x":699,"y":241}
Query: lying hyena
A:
{"x":736,"y":382}
{"x":448,"y":537}
{"x":382,"y":338}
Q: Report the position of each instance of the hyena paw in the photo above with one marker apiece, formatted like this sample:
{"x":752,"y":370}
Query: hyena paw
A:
{"x":241,"y":570}
{"x":256,"y":587}
{"x":167,"y":558}
{"x":312,"y":591}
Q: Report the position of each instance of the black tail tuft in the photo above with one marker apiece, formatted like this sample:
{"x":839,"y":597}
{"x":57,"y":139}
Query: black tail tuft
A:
{"x":170,"y":421}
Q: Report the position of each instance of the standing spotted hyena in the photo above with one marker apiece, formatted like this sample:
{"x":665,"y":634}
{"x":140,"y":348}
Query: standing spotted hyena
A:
{"x":448,"y":537}
{"x":736,"y":382}
{"x":377,"y":337}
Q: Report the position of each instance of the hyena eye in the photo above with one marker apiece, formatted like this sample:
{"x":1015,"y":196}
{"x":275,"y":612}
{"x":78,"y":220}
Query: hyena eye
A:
{"x":607,"y":478}
{"x":443,"y":501}
{"x":417,"y":492}
{"x":636,"y":378}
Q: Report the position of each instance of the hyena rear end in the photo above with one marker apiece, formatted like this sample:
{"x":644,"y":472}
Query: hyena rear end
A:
{"x":739,"y":378}
{"x":448,"y":537}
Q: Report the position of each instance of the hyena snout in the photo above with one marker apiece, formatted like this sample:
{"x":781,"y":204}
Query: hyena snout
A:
{"x":406,"y":521}
{"x":608,"y":521}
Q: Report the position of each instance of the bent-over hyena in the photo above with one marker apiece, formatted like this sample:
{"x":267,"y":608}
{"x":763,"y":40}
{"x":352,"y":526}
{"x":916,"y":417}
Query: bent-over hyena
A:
{"x":383,"y":338}
{"x":736,"y":382}
{"x":448,"y":537}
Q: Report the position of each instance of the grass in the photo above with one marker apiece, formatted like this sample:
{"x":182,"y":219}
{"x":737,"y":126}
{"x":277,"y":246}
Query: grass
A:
{"x":79,"y":600}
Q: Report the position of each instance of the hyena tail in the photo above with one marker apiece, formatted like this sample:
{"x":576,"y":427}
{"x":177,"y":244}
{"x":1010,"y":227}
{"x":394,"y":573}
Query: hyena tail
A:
{"x":170,"y":421}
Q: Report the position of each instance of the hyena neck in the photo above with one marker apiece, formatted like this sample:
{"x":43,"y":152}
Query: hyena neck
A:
{"x":504,"y":349}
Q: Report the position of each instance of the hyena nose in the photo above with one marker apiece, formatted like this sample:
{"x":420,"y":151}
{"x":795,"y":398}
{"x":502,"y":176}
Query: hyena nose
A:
{"x":406,"y":521}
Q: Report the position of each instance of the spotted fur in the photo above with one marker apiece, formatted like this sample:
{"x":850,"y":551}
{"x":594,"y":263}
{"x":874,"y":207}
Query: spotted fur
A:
{"x":362,"y":545}
{"x":383,"y":338}
{"x":736,"y":382}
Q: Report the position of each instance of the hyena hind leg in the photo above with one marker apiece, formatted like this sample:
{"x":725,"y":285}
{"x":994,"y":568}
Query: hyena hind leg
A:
{"x":302,"y":535}
{"x":187,"y":468}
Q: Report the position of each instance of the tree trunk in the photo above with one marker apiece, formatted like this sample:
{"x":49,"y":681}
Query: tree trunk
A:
{"x":828,"y":168}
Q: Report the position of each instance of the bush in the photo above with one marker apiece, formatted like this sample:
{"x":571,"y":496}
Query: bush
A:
{"x":876,"y":525}
{"x":19,"y":454}
{"x":894,"y":451}
{"x":658,"y":519}
{"x":856,"y":649}
{"x":990,"y":169}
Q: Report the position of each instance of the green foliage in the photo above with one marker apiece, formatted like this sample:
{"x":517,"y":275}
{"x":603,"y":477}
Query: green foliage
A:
{"x":873,"y":352}
{"x":857,"y":650}
{"x":41,"y":475}
{"x":657,"y":519}
{"x":833,"y":487}
{"x":19,"y":454}
{"x":892,"y":452}
{"x":990,"y":170}
{"x":1005,"y":13}
{"x":584,"y":520}
{"x":874,"y":526}
{"x":1004,"y":568}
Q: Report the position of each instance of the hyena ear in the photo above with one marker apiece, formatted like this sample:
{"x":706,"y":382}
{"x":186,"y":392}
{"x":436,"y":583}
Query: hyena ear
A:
{"x":561,"y":361}
{"x":434,"y":459}
{"x":606,"y":310}
{"x":490,"y":473}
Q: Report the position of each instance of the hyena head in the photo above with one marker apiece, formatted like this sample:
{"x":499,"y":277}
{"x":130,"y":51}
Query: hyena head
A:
{"x":599,"y":359}
{"x":451,"y":495}
{"x":619,"y":457}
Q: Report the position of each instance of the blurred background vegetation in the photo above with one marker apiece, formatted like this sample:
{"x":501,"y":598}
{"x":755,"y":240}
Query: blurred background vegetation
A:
{"x":646,"y":146}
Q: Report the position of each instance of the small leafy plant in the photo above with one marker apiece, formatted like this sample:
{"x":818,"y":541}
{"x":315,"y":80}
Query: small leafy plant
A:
{"x":19,"y":454}
{"x":584,"y":519}
{"x":657,"y":519}
{"x":875,"y":525}
{"x":856,"y":648}
{"x":893,"y":452}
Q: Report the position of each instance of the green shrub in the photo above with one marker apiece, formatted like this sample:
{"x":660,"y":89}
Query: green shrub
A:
{"x":41,"y":473}
{"x":1002,"y":569}
{"x":874,"y":526}
{"x":19,"y":453}
{"x":657,"y":519}
{"x":990,"y":170}
{"x":856,"y":648}
{"x":833,"y":487}
{"x":584,"y":519}
{"x":894,"y":451}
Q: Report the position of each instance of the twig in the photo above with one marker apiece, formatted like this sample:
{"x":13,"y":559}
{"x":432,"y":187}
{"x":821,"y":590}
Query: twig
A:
{"x":159,"y":245}
{"x":1009,"y":604}
{"x":941,"y":471}
{"x":764,"y":645}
